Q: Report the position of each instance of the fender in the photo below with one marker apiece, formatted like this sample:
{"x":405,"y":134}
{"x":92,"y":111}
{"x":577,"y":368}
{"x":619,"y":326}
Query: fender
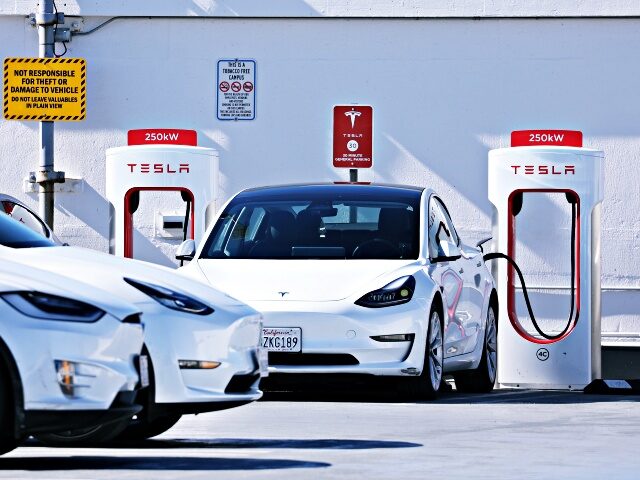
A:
{"x":11,"y":368}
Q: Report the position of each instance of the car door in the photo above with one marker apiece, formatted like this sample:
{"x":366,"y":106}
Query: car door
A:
{"x":470,"y":306}
{"x":448,"y":272}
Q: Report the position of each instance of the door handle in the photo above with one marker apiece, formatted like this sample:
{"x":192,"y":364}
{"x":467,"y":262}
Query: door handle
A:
{"x":461,"y":270}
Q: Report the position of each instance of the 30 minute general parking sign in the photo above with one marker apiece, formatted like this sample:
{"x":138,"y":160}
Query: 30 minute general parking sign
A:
{"x":236,"y":89}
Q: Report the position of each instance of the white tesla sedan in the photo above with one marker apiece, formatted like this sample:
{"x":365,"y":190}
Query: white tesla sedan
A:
{"x":67,"y":355}
{"x":203,"y":346}
{"x":356,"y":279}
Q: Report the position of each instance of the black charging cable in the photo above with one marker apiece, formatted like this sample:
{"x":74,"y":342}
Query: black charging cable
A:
{"x":512,"y":262}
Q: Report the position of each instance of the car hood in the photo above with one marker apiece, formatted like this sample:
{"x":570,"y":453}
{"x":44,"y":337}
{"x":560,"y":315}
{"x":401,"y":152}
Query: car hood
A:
{"x":299,"y":280}
{"x":107,"y":272}
{"x":21,"y":277}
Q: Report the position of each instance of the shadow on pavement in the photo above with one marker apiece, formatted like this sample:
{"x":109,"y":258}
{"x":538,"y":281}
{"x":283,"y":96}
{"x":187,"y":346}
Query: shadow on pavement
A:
{"x":545,"y":397}
{"x":236,"y":443}
{"x":284,"y":443}
{"x":151,"y":463}
{"x":378,"y":392}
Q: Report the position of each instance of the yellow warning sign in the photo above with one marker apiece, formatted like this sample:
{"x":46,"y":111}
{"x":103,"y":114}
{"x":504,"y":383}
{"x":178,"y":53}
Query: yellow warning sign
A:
{"x":45,"y":89}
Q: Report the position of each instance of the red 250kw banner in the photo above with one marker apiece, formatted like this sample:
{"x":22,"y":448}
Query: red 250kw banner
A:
{"x":352,"y":136}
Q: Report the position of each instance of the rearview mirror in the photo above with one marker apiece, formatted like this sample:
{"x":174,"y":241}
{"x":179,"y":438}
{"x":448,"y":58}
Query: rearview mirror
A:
{"x":186,"y":250}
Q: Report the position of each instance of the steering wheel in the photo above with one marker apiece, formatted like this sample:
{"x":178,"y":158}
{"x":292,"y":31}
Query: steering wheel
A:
{"x":376,"y":248}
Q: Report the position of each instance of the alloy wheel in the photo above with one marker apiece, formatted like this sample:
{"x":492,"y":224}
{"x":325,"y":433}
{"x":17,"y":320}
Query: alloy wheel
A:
{"x":491,"y":344}
{"x":435,"y":350}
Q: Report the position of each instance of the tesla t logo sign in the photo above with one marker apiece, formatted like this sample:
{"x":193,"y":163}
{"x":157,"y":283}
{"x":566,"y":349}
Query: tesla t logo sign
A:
{"x":544,"y":169}
{"x":352,"y":136}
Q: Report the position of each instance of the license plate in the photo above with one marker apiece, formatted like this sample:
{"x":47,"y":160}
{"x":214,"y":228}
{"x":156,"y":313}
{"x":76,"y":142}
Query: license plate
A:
{"x":282,"y":339}
{"x":143,"y":363}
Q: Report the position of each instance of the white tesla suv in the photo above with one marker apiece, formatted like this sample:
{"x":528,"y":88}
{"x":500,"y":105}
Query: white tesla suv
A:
{"x":67,"y":355}
{"x":356,"y":279}
{"x":203,"y":346}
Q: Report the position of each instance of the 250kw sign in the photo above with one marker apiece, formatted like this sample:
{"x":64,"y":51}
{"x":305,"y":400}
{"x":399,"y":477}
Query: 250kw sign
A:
{"x":45,"y":89}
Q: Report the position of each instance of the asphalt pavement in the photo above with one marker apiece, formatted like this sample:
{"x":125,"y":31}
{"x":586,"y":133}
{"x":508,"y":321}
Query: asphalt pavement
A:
{"x":505,"y":434}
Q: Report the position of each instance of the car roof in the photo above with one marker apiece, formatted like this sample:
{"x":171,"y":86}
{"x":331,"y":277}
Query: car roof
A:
{"x":336,"y":190}
{"x":8,"y":198}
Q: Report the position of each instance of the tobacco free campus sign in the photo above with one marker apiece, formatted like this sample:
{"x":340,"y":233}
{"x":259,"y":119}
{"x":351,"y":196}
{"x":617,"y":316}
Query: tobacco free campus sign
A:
{"x":236,"y":89}
{"x":45,"y":89}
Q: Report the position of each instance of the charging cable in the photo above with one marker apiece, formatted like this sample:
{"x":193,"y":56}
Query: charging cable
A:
{"x":512,"y":262}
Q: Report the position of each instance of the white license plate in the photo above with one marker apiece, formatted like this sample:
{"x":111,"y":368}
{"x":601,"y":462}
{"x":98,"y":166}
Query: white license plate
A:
{"x":282,"y":339}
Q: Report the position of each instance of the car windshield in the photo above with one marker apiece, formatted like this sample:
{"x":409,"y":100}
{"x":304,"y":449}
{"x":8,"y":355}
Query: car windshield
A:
{"x":321,"y":223}
{"x":16,"y":235}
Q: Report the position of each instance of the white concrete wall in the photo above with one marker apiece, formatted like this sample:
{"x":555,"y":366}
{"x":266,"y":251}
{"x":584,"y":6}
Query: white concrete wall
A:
{"x":336,"y":8}
{"x":444,"y":92}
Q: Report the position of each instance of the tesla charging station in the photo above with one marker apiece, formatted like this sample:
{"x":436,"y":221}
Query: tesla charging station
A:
{"x":159,"y":160}
{"x":548,"y":174}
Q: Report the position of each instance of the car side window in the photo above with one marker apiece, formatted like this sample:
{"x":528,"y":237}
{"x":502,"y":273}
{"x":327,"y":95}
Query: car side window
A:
{"x":452,"y":228}
{"x":440,"y":227}
{"x":24,"y":216}
{"x":237,"y":231}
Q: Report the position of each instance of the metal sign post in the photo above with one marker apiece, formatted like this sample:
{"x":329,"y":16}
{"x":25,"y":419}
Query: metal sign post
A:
{"x":46,"y":89}
{"x":45,"y":176}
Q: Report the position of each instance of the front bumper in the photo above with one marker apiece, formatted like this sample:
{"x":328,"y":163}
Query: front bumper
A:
{"x":36,"y":422}
{"x":103,"y":355}
{"x":337,"y":337}
{"x":230,"y":340}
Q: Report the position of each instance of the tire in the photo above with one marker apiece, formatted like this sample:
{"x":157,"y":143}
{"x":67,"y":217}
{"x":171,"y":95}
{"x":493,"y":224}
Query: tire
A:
{"x":427,"y":385}
{"x":482,"y":379}
{"x":7,"y":440}
{"x":142,"y":427}
{"x":84,"y":436}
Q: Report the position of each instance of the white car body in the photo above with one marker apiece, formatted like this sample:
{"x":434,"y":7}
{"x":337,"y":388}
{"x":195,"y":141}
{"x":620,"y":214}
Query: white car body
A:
{"x":230,"y":335}
{"x":319,"y":296}
{"x":103,"y":353}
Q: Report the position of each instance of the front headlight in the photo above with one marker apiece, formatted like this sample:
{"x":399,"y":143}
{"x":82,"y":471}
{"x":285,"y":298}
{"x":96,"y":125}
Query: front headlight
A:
{"x":52,"y":307}
{"x":395,"y":293}
{"x":171,"y":299}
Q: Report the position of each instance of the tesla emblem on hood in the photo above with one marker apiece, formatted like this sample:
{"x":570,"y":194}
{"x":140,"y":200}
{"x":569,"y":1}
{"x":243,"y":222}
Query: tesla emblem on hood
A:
{"x":282,"y":294}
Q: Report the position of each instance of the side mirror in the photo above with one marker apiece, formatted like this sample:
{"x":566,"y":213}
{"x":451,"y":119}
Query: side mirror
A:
{"x":482,"y":242}
{"x":447,"y":251}
{"x":186,"y":250}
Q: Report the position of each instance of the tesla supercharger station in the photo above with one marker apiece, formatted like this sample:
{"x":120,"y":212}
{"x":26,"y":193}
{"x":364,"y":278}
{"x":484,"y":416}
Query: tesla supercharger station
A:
{"x":186,"y":169}
{"x":550,"y":171}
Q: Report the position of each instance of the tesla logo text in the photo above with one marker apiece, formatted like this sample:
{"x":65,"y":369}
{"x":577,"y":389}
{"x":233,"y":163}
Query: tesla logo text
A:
{"x":544,"y":169}
{"x":542,"y":354}
{"x":282,"y":294}
{"x":158,"y":168}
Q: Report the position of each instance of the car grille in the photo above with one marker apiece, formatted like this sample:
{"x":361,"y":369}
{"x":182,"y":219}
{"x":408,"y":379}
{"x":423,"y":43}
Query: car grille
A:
{"x":309,"y":359}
